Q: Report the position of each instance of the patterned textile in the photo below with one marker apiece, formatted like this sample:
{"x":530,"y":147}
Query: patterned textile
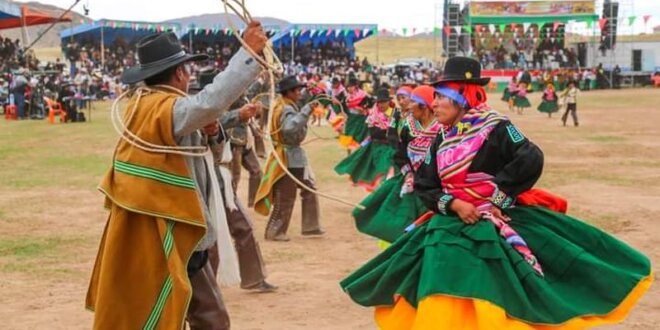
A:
{"x":380,"y":119}
{"x":454,"y":157}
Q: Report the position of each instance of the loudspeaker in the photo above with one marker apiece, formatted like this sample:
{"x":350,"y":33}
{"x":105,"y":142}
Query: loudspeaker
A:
{"x":582,"y":54}
{"x":608,"y":34}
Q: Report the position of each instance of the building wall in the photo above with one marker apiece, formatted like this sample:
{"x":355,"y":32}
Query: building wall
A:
{"x":623,"y":56}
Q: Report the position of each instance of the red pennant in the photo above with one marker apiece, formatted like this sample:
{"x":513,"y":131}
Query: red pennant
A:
{"x":555,"y":25}
{"x":357,"y":33}
{"x":414,"y":30}
{"x":646,"y":18}
{"x":477,"y":27}
{"x":602,"y":22}
{"x":513,"y":26}
{"x":447,"y":30}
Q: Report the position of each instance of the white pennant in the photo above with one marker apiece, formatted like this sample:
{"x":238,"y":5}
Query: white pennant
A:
{"x":312,"y":32}
{"x":365,"y":32}
{"x":526,"y":26}
{"x":552,"y":39}
{"x":491,"y":28}
{"x":458,"y":29}
{"x":337,"y":32}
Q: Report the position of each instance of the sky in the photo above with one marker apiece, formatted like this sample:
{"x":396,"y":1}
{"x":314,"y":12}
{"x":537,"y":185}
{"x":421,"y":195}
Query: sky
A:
{"x":388,"y":14}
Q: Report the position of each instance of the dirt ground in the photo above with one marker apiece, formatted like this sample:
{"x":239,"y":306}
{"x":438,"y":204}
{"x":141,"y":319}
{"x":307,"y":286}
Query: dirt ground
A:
{"x":51,"y":216}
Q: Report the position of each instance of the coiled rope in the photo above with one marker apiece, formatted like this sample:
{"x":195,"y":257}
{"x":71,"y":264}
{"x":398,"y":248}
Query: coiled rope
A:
{"x":271,"y":63}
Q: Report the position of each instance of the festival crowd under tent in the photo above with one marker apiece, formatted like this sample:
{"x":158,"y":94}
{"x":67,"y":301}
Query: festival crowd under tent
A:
{"x":106,"y":32}
{"x":321,"y":34}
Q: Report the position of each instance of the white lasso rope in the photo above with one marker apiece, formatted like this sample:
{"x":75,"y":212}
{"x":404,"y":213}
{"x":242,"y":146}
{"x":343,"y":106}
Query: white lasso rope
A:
{"x":273,"y":66}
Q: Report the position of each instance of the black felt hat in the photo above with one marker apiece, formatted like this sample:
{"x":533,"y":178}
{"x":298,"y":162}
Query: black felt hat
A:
{"x":462,"y":69}
{"x":383,"y":95}
{"x":288,"y":83}
{"x":157,"y":53}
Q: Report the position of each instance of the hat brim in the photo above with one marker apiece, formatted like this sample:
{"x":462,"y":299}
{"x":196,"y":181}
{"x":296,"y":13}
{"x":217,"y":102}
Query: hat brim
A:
{"x":137,"y":73}
{"x":288,"y":88}
{"x":383,"y":99}
{"x":478,"y":81}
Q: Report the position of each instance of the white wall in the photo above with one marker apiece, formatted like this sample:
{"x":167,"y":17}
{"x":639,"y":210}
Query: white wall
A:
{"x":623,"y":56}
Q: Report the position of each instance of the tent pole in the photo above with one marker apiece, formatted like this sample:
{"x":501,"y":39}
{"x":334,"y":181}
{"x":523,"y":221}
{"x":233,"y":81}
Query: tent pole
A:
{"x":23,"y":31}
{"x":293,"y":42}
{"x":102,"y":48}
{"x":51,"y":25}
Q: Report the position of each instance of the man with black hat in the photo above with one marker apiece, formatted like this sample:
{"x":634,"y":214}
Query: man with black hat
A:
{"x":288,"y":130}
{"x":166,"y":208}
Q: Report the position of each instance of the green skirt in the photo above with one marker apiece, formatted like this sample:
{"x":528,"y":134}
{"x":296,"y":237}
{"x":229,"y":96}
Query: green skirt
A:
{"x":587,"y":272}
{"x":548,"y":107}
{"x":507,"y":95}
{"x":356,"y":127}
{"x":386,"y":213}
{"x":367,"y":164}
{"x":521,"y":101}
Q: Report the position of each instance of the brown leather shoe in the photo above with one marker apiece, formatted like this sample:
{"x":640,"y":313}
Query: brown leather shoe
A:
{"x":317,"y":232}
{"x":278,"y":238}
{"x":263,"y":287}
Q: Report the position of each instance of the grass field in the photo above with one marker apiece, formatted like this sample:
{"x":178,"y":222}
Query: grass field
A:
{"x":51,"y":216}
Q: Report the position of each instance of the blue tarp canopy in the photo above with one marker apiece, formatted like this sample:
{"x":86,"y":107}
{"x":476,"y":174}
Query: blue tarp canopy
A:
{"x":9,"y":10}
{"x":323,"y":33}
{"x":129,"y":31}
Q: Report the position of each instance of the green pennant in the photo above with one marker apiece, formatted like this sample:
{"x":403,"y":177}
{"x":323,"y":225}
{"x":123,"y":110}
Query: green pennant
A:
{"x":468,"y":28}
{"x":374,"y":31}
{"x":590,"y":23}
{"x":436,"y":31}
{"x":631,"y":20}
{"x":502,"y":27}
{"x":405,"y":31}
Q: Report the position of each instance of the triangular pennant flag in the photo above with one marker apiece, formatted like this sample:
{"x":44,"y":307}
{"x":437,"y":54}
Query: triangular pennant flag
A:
{"x":602,"y":22}
{"x":366,"y":32}
{"x":329,"y":32}
{"x":337,"y":32}
{"x":491,"y":28}
{"x":590,"y":24}
{"x":436,"y":31}
{"x":301,"y":32}
{"x":414,"y":30}
{"x":502,"y":28}
{"x":357,"y":33}
{"x":312,"y":32}
{"x":458,"y":29}
{"x":631,"y":20}
{"x":208,"y":31}
{"x":526,"y":26}
{"x":405,"y":31}
{"x":468,"y":29}
{"x":447,"y":29}
{"x":513,"y":26}
{"x":646,"y":18}
{"x":555,"y":25}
